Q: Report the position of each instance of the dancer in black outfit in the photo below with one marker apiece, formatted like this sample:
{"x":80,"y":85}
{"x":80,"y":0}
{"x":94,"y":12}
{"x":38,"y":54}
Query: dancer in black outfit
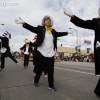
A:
{"x":27,"y":50}
{"x":5,"y":49}
{"x":93,"y":24}
{"x":46,"y":44}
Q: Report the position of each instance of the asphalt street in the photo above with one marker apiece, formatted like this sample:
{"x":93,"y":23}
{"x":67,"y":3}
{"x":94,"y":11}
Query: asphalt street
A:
{"x":73,"y":80}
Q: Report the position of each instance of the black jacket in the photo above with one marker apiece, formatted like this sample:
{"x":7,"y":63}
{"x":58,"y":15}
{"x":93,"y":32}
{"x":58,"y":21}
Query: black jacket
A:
{"x":93,"y":24}
{"x":29,"y":49}
{"x":40,"y":31}
{"x":4,"y":42}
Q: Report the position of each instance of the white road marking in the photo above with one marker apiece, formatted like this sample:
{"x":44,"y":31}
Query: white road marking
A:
{"x":77,"y":71}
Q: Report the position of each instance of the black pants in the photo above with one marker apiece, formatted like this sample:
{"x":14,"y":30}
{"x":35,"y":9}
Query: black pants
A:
{"x":26,"y":60}
{"x":43,"y":62}
{"x":3,"y":55}
{"x":35,"y":60}
{"x":97,"y":89}
{"x":45,"y":70}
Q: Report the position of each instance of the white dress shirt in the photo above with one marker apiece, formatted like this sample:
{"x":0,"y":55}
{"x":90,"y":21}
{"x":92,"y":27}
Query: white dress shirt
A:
{"x":26,"y":52}
{"x":47,"y":47}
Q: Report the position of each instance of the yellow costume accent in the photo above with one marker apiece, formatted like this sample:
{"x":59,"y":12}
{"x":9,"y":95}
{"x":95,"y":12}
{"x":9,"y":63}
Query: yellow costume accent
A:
{"x":48,"y":29}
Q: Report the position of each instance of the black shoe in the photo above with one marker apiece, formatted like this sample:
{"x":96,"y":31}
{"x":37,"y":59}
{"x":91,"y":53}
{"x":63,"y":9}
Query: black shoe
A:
{"x":98,"y":94}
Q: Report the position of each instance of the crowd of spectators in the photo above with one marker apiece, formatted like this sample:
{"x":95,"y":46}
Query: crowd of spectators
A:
{"x":77,"y":58}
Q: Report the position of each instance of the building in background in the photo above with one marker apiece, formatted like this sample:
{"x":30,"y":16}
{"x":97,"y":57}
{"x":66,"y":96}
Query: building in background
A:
{"x":69,"y":51}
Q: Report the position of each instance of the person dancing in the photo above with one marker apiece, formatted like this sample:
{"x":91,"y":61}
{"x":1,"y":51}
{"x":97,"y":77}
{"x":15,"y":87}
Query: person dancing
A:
{"x":93,"y":24}
{"x":27,"y":50}
{"x":46,"y":44}
{"x":5,"y":49}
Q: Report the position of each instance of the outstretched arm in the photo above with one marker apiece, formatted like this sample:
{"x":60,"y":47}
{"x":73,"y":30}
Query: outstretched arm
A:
{"x":25,"y":25}
{"x":59,"y":34}
{"x":89,"y":24}
{"x":30,"y":28}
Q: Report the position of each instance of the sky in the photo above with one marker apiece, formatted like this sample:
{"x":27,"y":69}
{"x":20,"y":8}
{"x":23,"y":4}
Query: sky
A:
{"x":32,"y":12}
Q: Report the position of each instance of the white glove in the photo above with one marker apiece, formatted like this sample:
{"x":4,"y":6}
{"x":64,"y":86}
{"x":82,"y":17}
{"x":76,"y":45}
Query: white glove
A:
{"x":68,"y":12}
{"x":69,"y":32}
{"x":19,"y":21}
